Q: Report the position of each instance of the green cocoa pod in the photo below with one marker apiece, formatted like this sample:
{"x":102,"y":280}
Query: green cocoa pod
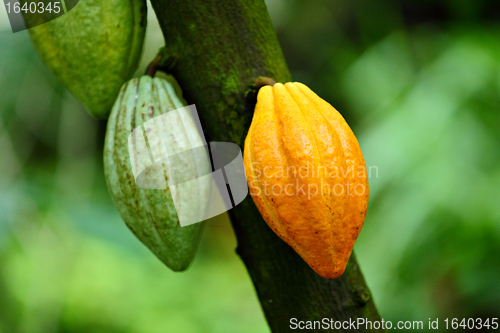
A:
{"x":142,"y":122}
{"x":93,"y":49}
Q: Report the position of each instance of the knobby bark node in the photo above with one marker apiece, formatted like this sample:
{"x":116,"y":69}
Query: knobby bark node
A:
{"x":220,"y":49}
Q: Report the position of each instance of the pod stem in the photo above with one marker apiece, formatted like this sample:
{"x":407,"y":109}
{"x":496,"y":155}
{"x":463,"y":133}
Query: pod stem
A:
{"x":262,"y":81}
{"x":164,"y":62}
{"x":153,"y":66}
{"x":253,"y":89}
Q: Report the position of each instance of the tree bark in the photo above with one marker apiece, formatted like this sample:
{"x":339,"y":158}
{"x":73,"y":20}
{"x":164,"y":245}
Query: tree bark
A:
{"x":216,"y":50}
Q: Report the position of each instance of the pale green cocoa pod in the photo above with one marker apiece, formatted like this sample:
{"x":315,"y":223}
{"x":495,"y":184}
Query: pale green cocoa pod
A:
{"x":93,"y":49}
{"x":151,"y":213}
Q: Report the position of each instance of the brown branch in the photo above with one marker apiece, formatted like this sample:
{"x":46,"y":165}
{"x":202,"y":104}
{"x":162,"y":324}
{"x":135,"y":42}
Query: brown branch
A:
{"x":221,"y":48}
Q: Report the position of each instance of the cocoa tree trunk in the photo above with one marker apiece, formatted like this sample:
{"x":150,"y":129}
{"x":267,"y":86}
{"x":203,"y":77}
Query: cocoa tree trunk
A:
{"x":216,"y":50}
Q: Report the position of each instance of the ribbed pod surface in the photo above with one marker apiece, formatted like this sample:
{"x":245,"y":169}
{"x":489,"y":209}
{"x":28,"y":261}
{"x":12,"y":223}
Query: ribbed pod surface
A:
{"x":307,"y":175}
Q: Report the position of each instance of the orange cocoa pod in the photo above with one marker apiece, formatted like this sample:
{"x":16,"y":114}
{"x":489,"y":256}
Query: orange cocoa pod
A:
{"x":307,"y":175}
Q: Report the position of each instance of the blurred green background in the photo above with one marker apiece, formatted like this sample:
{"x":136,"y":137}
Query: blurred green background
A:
{"x":419,"y":82}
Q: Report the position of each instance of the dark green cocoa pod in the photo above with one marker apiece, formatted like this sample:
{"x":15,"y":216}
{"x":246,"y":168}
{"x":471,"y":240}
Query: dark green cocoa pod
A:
{"x":141,"y":126}
{"x":93,"y":49}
